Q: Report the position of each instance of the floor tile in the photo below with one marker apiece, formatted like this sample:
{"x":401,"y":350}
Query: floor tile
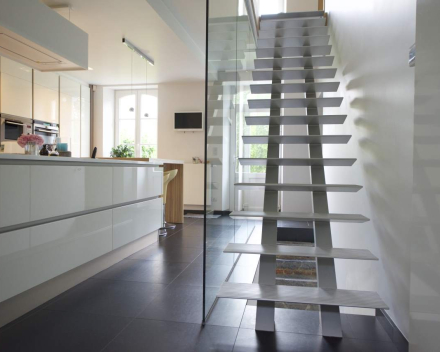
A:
{"x":184,"y":241}
{"x":143,"y":271}
{"x":364,"y":327}
{"x":180,"y":303}
{"x":193,"y":275}
{"x":118,"y":298}
{"x":168,"y":254}
{"x":287,"y":320}
{"x":49,"y":331}
{"x":227,"y":312}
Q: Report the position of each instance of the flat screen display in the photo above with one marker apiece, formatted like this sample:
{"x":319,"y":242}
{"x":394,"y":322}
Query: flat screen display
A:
{"x":188,"y":121}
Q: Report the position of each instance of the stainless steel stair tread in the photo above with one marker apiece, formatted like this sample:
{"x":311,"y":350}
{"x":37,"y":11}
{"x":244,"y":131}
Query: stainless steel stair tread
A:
{"x":307,"y":295}
{"x":295,"y":51}
{"x":292,"y":23}
{"x":293,"y":32}
{"x":298,"y":187}
{"x":286,"y":42}
{"x":300,"y":251}
{"x":279,"y":88}
{"x":301,"y":139}
{"x":353,"y":218}
{"x":292,"y":62}
{"x":294,"y":103}
{"x":318,"y":73}
{"x":292,"y":15}
{"x":295,"y":120}
{"x":297,"y":161}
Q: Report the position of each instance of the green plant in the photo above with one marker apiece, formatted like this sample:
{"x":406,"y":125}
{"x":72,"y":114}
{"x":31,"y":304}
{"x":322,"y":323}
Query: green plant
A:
{"x":122,"y":151}
{"x":148,"y":152}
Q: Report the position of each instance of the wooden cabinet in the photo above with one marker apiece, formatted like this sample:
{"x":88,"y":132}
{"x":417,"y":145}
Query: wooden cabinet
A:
{"x":85,"y":122}
{"x":46,"y":96}
{"x":15,"y":88}
{"x":70,"y":114}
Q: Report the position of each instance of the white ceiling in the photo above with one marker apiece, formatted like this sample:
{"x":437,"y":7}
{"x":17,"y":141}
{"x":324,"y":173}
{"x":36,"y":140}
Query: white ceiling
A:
{"x":108,"y":21}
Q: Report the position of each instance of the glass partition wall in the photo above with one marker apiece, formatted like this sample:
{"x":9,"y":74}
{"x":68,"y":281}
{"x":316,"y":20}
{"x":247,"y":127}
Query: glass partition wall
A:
{"x":230,"y":59}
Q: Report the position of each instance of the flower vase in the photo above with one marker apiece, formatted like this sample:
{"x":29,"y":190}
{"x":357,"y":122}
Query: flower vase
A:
{"x":31,"y":148}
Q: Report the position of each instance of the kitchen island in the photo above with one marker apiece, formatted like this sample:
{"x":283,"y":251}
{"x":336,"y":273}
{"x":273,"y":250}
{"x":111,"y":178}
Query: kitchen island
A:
{"x":63,"y":220}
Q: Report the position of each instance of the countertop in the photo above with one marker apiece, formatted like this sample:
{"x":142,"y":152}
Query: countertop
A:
{"x":56,"y":160}
{"x":152,"y":160}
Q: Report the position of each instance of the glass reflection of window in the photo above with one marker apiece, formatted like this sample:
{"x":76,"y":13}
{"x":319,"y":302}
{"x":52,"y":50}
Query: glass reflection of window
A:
{"x":136,"y":121}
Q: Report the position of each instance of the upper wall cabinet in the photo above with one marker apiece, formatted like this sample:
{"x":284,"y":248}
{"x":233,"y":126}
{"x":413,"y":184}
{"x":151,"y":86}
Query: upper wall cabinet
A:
{"x":85,"y":122}
{"x":70,"y":115}
{"x":46,"y":88}
{"x":16,"y":88}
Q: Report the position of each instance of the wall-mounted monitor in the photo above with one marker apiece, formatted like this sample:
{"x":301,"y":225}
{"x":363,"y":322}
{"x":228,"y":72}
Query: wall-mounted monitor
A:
{"x":188,"y":121}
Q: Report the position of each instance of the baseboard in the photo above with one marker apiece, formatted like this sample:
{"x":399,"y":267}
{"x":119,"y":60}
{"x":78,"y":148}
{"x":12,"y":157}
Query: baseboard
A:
{"x":27,"y":301}
{"x":222,"y":212}
{"x":392,"y":330}
{"x":189,"y":211}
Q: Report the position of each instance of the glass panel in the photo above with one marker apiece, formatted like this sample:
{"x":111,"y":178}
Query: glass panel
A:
{"x":148,"y":131}
{"x":127,"y":131}
{"x":127,"y":107}
{"x":231,"y":54}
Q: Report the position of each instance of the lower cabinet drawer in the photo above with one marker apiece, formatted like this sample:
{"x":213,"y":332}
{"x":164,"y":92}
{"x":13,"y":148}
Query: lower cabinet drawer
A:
{"x":32,"y":256}
{"x":135,"y":221}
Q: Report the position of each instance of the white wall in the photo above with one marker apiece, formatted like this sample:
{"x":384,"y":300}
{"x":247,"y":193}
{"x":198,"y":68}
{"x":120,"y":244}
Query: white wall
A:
{"x":425,"y":239}
{"x":178,"y":97}
{"x":371,"y":40}
{"x":301,"y":5}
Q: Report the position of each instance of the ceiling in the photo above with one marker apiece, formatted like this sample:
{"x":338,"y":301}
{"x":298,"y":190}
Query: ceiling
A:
{"x":108,"y":21}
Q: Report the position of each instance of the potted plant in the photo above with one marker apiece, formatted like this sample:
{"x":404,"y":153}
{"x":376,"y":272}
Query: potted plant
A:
{"x":122,"y":151}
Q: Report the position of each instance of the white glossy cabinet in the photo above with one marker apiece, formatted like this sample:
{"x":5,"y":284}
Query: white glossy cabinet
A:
{"x":135,"y":183}
{"x":15,"y":88}
{"x":46,"y":96}
{"x":70,"y":114}
{"x":32,"y":256}
{"x":85,"y":121}
{"x":14,"y":194}
{"x":68,"y":189}
{"x":135,"y":221}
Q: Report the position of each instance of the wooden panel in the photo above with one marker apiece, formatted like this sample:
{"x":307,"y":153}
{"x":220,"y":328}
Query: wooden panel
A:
{"x":321,"y":5}
{"x":174,"y":207}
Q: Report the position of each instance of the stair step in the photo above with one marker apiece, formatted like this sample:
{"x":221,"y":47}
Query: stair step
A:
{"x":288,"y":42}
{"x":295,"y":120}
{"x":294,"y":103}
{"x":215,"y":66}
{"x":294,"y":51}
{"x":307,"y":295}
{"x":317,"y":73}
{"x":280,"y":88}
{"x":292,"y":15}
{"x":300,"y":251}
{"x":292,"y":62}
{"x":292,"y":23}
{"x":297,"y":187}
{"x":297,"y":161}
{"x":222,"y":90}
{"x":293,"y":32}
{"x":301,"y":139}
{"x":216,"y":45}
{"x":258,"y":215}
{"x":227,"y":55}
{"x":246,"y":35}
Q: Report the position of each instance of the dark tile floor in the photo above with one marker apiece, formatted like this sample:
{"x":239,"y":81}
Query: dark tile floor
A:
{"x":152,"y":301}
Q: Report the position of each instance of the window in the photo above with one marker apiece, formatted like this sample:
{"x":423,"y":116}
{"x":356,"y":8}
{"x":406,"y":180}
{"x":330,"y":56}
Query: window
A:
{"x":136,"y":121}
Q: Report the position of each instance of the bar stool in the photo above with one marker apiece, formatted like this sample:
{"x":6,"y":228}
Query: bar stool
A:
{"x":168,"y":176}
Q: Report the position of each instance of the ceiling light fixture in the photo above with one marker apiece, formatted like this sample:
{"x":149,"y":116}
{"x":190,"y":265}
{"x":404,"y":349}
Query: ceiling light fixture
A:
{"x":133,"y":47}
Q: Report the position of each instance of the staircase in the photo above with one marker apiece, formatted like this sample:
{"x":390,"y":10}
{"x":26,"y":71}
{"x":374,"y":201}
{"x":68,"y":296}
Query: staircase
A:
{"x":295,"y":47}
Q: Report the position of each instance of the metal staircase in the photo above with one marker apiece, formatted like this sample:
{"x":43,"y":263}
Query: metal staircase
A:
{"x":291,"y":47}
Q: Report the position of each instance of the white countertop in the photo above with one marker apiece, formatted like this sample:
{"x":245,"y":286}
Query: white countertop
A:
{"x":37,"y":159}
{"x":166,"y":161}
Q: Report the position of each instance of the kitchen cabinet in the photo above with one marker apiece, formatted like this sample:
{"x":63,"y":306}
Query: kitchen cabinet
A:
{"x":15,"y":88}
{"x":85,"y":121}
{"x":46,"y":96}
{"x":70,"y":114}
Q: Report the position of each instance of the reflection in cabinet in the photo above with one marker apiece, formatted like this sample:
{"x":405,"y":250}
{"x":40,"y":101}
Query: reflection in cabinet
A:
{"x":74,"y":189}
{"x":46,"y":91}
{"x":135,"y":221}
{"x":34,"y":255}
{"x":70,"y":116}
{"x":85,"y":121}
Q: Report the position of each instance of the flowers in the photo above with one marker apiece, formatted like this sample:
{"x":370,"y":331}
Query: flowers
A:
{"x":29,"y":138}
